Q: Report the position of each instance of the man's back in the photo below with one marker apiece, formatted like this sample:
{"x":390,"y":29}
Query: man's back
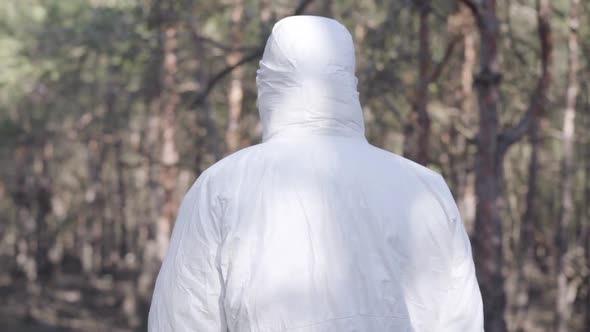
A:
{"x":316,"y":230}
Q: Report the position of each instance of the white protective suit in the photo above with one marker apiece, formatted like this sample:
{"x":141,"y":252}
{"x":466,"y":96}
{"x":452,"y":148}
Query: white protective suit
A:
{"x":316,"y":230}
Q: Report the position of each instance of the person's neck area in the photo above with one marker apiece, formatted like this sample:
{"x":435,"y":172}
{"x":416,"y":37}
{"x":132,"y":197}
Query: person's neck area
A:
{"x":319,"y":128}
{"x":300,"y":105}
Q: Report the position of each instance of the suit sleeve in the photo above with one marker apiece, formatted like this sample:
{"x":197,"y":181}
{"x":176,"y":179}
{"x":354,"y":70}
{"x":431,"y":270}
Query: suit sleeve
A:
{"x":188,"y":295}
{"x":463,"y":308}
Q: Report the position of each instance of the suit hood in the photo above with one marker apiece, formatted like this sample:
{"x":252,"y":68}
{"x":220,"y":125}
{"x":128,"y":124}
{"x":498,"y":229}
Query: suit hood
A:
{"x":306,"y":82}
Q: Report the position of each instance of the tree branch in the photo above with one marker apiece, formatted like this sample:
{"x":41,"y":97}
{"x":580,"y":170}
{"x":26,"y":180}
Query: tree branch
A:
{"x":224,"y":72}
{"x":302,"y":6}
{"x":510,"y":136}
{"x":435,"y":74}
{"x":474,"y":8}
{"x":219,"y":45}
{"x":257,"y":53}
{"x":538,"y":96}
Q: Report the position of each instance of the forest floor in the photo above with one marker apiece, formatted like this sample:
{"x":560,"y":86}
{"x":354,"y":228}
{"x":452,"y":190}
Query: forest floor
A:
{"x":69,"y":303}
{"x":73,"y":302}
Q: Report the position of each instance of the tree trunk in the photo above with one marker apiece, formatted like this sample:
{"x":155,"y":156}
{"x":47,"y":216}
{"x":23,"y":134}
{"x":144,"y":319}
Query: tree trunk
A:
{"x":265,"y":16}
{"x":111,"y":232}
{"x":488,"y":171}
{"x":125,"y":242}
{"x":586,"y":228}
{"x":467,"y":199}
{"x":92,"y":231}
{"x":43,"y":196}
{"x":169,"y":154}
{"x":321,"y":8}
{"x":423,"y":82}
{"x":235,"y":94}
{"x":417,"y":129}
{"x":205,"y":132}
{"x":563,"y":303}
{"x":162,"y":154}
{"x":585,"y":233}
{"x":538,"y":101}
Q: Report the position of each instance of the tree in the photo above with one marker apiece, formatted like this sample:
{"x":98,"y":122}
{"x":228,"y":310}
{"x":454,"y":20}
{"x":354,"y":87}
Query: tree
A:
{"x":563,"y":298}
{"x":417,"y":129}
{"x":492,"y":145}
{"x":110,"y":109}
{"x":537,"y":106}
{"x":235,"y":92}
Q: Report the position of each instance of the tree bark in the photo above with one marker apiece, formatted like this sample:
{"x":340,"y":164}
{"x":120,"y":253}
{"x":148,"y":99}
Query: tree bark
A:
{"x":321,"y":8}
{"x":563,"y":303}
{"x":488,"y":170}
{"x":235,"y":94}
{"x":537,"y":104}
{"x":43,"y":196}
{"x":488,"y":183}
{"x":125,"y":242}
{"x":265,"y":17}
{"x":467,"y":199}
{"x":169,"y":154}
{"x":162,"y":154}
{"x":92,"y":232}
{"x":423,"y":82}
{"x":417,"y":130}
{"x":586,"y":228}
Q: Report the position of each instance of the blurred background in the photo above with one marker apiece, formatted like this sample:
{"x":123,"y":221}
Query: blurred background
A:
{"x":110,"y":109}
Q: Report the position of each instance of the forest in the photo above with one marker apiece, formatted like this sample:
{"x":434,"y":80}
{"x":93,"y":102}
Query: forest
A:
{"x":110,"y":109}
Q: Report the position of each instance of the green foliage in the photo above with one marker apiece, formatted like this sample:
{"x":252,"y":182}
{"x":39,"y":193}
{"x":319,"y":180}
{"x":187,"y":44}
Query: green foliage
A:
{"x":79,"y":75}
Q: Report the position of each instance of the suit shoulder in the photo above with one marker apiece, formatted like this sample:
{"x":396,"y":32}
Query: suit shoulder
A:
{"x":229,"y":163}
{"x":216,"y":180}
{"x":432,"y":181}
{"x":424,"y":172}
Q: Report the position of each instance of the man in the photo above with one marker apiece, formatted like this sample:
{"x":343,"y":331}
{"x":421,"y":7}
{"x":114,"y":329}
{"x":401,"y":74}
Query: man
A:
{"x":316,"y":230}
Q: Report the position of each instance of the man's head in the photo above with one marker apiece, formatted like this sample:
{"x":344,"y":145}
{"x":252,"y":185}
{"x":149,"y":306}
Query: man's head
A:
{"x":306,"y":78}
